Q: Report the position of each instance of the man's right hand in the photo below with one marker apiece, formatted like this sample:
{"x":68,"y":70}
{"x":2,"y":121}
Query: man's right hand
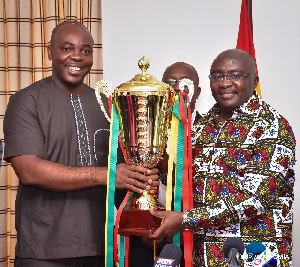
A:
{"x":136,"y":178}
{"x":35,"y":171}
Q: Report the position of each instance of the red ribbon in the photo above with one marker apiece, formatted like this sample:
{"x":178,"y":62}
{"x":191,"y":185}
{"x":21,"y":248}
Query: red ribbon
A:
{"x":116,"y":227}
{"x":187,"y":190}
{"x":126,"y":251}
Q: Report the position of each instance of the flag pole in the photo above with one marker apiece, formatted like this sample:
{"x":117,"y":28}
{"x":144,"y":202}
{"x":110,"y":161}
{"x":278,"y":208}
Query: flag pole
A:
{"x":249,"y":8}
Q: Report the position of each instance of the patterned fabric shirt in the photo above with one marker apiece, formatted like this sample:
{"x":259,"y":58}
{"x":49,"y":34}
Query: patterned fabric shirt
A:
{"x":243,"y":183}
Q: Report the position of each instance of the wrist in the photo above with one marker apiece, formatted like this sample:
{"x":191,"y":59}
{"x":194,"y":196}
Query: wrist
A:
{"x":185,"y":220}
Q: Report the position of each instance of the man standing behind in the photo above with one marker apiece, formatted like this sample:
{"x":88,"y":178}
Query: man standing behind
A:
{"x":57,"y":139}
{"x":244,"y":154}
{"x":182,"y":77}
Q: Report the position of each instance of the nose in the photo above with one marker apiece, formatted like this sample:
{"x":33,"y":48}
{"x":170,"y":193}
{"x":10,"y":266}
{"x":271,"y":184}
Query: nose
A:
{"x":177,"y":91}
{"x":226,"y":82}
{"x":176,"y":87}
{"x":76,"y":55}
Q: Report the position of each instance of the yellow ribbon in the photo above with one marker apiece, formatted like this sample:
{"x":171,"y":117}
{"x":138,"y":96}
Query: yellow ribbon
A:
{"x":173,"y":141}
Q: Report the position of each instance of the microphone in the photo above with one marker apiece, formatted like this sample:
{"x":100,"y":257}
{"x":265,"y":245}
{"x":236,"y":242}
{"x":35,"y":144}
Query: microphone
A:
{"x":253,"y":249}
{"x":233,"y":249}
{"x":260,"y":255}
{"x":169,"y":256}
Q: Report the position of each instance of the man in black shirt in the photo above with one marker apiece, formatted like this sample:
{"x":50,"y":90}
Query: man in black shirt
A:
{"x":57,"y":138}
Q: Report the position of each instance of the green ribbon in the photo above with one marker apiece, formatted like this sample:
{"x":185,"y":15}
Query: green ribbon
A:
{"x":179,"y":168}
{"x":115,"y":128}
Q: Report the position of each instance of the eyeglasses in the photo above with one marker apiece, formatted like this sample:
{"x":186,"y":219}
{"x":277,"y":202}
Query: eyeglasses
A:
{"x":182,"y":83}
{"x":229,"y":77}
{"x":174,"y":81}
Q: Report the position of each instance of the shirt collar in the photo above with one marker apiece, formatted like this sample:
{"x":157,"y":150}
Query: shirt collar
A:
{"x":250,"y":108}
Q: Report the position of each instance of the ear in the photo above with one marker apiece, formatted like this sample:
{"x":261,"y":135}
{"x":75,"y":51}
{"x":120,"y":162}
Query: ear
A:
{"x":195,"y":97}
{"x":198,"y":91}
{"x":256,"y":80}
{"x":49,"y":50}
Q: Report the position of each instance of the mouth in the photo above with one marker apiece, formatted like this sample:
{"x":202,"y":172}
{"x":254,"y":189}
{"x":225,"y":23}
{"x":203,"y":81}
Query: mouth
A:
{"x":74,"y":68}
{"x":227,"y":94}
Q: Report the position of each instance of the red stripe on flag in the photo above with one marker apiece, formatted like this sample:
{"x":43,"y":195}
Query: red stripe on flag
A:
{"x":245,"y":36}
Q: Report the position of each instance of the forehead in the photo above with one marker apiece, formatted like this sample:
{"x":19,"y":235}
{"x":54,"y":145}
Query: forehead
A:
{"x":179,"y":71}
{"x":72,"y":33}
{"x":230,"y":62}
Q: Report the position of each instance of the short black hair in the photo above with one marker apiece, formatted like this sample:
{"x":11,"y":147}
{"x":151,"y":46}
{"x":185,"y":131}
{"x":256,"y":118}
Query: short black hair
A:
{"x":186,"y":64}
{"x":243,"y":53}
{"x":64,"y":23}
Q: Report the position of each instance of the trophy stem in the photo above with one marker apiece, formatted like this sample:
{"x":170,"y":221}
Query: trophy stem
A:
{"x":144,"y":201}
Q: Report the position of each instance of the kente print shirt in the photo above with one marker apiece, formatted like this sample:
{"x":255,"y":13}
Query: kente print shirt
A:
{"x":243,"y":182}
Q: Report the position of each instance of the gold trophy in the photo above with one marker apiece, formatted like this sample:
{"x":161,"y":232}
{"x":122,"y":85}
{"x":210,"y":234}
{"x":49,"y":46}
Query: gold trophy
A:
{"x":144,"y":107}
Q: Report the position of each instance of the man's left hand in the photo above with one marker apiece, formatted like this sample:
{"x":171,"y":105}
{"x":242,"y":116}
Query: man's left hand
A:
{"x":171,"y":223}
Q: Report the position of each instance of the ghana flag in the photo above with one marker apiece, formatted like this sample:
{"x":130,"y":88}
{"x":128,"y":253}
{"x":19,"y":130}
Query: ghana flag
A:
{"x":245,"y":37}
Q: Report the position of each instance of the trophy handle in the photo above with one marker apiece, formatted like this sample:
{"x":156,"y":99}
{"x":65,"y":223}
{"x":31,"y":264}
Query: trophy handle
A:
{"x":102,"y":86}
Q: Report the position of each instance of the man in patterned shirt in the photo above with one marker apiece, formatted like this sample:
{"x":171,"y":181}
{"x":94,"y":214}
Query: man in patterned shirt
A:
{"x":244,"y":153}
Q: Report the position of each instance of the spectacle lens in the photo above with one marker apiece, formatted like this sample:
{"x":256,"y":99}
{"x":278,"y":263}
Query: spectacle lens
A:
{"x":171,"y":81}
{"x":229,"y":77}
{"x":182,"y":84}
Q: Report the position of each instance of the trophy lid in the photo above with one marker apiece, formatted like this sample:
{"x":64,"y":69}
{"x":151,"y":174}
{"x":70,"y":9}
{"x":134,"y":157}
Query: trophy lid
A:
{"x":144,"y":82}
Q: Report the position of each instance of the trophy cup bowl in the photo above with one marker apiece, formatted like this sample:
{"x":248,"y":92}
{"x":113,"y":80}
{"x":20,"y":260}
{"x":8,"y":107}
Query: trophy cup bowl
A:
{"x":144,"y":106}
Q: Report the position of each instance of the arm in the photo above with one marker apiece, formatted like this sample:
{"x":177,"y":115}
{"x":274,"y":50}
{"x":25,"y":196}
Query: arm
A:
{"x":266,"y":180}
{"x":27,"y":129}
{"x":264,"y":183}
{"x":35,"y":171}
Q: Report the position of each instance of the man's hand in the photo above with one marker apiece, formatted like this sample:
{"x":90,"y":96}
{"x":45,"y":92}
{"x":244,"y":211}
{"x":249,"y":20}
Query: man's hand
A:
{"x":171,"y":223}
{"x":136,"y":178}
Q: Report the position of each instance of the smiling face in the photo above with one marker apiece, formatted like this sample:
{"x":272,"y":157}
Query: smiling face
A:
{"x":71,"y":52}
{"x":231,"y":94}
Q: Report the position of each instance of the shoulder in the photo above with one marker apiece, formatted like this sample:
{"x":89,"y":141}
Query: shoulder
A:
{"x":38,"y":85}
{"x":97,"y":97}
{"x":33,"y":89}
{"x":202,"y":119}
{"x":199,"y":125}
{"x":278,"y":125}
{"x":26,"y":102}
{"x":197,"y":117}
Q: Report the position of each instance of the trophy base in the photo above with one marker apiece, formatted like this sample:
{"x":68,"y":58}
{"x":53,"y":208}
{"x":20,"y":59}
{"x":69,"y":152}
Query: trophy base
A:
{"x":138,"y":222}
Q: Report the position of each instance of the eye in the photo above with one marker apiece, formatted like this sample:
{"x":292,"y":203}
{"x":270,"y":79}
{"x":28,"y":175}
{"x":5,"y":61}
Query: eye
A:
{"x":236,"y":76}
{"x":87,"y":51}
{"x":66,"y":49}
{"x":170,"y":81}
{"x":218,"y":77}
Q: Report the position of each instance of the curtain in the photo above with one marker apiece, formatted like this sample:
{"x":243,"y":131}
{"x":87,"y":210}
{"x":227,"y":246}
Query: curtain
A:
{"x":25,"y":30}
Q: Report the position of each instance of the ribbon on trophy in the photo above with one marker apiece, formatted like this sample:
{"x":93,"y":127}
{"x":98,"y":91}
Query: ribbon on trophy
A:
{"x":111,"y":176}
{"x":183,"y":194}
{"x":180,"y":137}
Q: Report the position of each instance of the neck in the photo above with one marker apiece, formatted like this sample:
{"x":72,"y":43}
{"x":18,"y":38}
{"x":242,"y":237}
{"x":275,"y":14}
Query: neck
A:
{"x":224,"y":116}
{"x":69,"y":89}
